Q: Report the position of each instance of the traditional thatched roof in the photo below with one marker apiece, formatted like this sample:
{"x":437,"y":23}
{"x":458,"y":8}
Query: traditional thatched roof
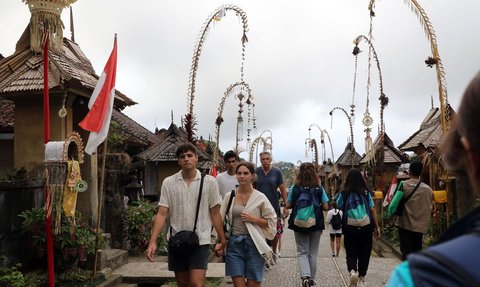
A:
{"x":392,"y":154}
{"x":69,"y":68}
{"x":429,"y":134}
{"x":345,"y":158}
{"x":136,"y":132}
{"x":6,"y":115}
{"x":165,"y":149}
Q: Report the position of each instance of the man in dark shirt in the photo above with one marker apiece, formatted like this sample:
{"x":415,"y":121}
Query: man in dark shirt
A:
{"x":269,"y":179}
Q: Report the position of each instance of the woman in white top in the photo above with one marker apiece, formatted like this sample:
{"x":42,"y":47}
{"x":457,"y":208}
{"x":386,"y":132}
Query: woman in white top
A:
{"x":335,"y":234}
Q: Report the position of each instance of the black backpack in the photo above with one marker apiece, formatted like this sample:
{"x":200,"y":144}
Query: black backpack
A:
{"x":336,"y":221}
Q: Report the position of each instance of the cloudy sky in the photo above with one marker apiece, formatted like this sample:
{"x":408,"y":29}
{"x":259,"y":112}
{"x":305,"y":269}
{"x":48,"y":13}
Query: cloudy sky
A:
{"x":298,"y":62}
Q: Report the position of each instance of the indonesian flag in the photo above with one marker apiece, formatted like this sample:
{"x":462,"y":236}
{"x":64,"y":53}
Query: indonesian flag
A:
{"x":97,"y":121}
{"x":390,"y":192}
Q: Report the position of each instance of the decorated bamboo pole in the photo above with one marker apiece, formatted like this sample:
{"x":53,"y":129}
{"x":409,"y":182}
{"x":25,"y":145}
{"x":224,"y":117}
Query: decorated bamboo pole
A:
{"x":219,"y":120}
{"x":217,"y":15}
{"x":383,"y":103}
{"x":433,"y":60}
{"x":352,"y":147}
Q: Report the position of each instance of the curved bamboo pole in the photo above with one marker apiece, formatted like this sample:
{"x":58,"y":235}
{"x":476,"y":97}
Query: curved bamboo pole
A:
{"x":322,"y":136}
{"x":352,"y":147}
{"x":383,"y":98}
{"x":434,"y":60}
{"x":189,"y":118}
{"x":255,"y":143}
{"x":219,"y":119}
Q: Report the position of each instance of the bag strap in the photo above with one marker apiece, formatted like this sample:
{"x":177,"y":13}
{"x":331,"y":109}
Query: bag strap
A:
{"x":198,"y":202}
{"x":232,"y":195}
{"x":411,"y":193}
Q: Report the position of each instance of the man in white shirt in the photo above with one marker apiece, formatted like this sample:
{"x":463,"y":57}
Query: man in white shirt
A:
{"x":227,"y":180}
{"x":178,"y":201}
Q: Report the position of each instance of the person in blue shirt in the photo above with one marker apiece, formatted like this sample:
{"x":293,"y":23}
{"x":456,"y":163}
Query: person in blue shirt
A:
{"x":359,"y":222}
{"x":307,"y":238}
{"x":269,"y":179}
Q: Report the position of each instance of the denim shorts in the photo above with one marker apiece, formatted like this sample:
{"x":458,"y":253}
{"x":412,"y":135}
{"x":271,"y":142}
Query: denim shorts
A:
{"x":198,"y":259}
{"x":243,"y":259}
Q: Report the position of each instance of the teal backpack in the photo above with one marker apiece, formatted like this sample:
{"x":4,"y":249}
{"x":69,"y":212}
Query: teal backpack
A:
{"x":356,"y":212}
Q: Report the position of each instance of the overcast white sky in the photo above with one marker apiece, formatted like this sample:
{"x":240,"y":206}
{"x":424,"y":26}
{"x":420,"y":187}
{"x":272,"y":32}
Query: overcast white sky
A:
{"x":298,"y":62}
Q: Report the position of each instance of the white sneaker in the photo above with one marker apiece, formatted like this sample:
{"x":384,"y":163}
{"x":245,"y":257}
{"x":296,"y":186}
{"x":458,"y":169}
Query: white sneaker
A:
{"x":361,"y":282}
{"x":353,"y":278}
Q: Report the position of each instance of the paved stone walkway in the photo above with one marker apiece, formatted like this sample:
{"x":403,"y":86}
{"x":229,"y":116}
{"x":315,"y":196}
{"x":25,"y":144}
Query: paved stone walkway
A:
{"x":331,"y":271}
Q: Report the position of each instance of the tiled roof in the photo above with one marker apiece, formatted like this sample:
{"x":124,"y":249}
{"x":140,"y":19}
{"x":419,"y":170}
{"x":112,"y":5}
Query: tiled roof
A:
{"x":23,"y":71}
{"x":6,"y":115}
{"x":134,"y":130}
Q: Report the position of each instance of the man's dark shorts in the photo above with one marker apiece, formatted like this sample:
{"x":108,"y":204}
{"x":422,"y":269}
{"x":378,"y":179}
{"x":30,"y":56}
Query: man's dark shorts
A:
{"x":198,"y":259}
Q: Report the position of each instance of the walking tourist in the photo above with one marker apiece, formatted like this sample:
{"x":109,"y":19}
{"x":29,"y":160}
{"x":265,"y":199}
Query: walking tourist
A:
{"x":179,"y":201}
{"x":269,"y":179}
{"x":227,"y":180}
{"x":359,"y":221}
{"x":454,"y":259}
{"x":253,"y":220}
{"x":307,"y":199}
{"x":334,"y":219}
{"x":415,"y":217}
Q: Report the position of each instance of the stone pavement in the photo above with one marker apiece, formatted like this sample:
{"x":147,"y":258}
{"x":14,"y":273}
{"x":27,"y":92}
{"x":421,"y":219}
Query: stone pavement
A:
{"x":331,"y":271}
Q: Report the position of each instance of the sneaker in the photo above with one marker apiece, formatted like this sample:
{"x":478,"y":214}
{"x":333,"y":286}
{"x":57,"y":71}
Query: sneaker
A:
{"x":333,"y":255}
{"x":312,"y":282}
{"x":353,"y":278}
{"x":306,"y":282}
{"x":361,"y":281}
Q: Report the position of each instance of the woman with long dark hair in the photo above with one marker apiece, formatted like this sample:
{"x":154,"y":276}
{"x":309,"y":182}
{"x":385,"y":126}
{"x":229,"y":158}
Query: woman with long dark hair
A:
{"x":307,"y":194}
{"x":359,"y":222}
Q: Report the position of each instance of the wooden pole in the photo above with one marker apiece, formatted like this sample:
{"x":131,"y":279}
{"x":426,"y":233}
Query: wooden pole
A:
{"x":100,"y":204}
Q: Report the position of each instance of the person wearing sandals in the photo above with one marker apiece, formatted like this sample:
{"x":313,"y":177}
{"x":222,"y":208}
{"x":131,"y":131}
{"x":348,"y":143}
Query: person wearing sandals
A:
{"x":253,"y":220}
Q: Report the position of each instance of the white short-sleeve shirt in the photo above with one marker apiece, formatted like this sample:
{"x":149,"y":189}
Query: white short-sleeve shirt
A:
{"x":330,"y":214}
{"x":226,"y":183}
{"x":181,"y":201}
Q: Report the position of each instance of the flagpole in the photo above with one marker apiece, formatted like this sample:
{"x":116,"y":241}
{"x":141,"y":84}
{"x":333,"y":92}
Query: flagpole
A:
{"x":100,"y":204}
{"x":46,"y":138}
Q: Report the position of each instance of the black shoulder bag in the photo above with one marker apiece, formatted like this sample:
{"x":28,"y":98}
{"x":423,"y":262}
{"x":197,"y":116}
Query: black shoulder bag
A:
{"x":185,"y":242}
{"x":401,"y":204}
{"x":227,"y":222}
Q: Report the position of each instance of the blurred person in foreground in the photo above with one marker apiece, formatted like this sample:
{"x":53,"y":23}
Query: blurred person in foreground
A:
{"x":454,"y":259}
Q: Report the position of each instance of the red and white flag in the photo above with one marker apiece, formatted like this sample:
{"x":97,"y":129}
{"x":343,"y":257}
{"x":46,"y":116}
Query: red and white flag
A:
{"x":97,"y":121}
{"x":390,"y":192}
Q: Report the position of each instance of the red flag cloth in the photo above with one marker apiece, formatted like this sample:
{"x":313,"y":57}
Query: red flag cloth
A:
{"x":214,"y":170}
{"x":390,"y":192}
{"x":97,"y":121}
